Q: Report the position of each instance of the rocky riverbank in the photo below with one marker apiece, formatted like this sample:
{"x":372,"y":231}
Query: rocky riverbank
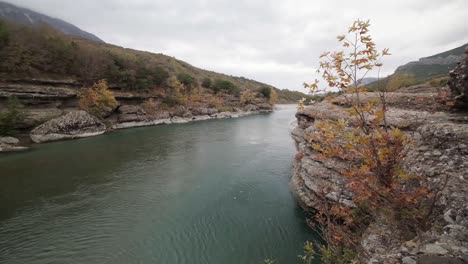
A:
{"x":50,"y":111}
{"x":440,"y":151}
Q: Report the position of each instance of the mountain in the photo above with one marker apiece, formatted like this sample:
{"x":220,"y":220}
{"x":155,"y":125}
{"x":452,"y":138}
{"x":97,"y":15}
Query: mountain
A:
{"x":434,"y":68}
{"x":25,"y":16}
{"x":368,"y":80}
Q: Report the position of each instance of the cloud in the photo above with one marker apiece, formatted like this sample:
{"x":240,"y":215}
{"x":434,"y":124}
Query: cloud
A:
{"x":277,"y":42}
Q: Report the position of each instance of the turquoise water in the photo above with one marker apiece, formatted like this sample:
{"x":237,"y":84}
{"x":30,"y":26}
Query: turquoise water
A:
{"x":206,"y":192}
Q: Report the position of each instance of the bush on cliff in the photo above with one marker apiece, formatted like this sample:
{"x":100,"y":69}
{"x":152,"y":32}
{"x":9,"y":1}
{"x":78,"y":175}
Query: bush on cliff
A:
{"x":224,"y":85}
{"x":97,"y":99}
{"x":4,"y":35}
{"x":381,"y":186}
{"x":10,"y":117}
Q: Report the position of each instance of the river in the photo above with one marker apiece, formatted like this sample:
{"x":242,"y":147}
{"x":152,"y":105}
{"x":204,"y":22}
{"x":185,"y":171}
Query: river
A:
{"x":206,"y":192}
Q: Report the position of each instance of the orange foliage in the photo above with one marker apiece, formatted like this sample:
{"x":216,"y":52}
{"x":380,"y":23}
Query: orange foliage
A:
{"x":374,"y":151}
{"x":97,"y":99}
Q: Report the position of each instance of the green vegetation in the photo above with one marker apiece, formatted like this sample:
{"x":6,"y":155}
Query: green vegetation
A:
{"x":4,"y":35}
{"x":265,"y":91}
{"x":224,"y":85}
{"x":289,"y":96}
{"x":10,"y":117}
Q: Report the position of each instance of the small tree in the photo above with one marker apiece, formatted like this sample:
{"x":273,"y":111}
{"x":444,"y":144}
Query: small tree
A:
{"x":374,"y":151}
{"x":177,"y":92}
{"x":265,"y":91}
{"x":97,"y":100}
{"x":10,"y":118}
{"x":247,"y":97}
{"x":4,"y":35}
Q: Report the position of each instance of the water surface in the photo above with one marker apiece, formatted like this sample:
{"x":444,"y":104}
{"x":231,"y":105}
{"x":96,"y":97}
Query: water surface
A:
{"x":205,"y":192}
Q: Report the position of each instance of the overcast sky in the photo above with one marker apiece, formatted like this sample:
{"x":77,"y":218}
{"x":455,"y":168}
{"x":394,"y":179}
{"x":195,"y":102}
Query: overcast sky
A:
{"x":276,"y":41}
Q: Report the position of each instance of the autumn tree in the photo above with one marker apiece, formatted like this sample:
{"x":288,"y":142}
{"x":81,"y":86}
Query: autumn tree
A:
{"x":373,"y":151}
{"x":97,"y":99}
{"x":247,"y":97}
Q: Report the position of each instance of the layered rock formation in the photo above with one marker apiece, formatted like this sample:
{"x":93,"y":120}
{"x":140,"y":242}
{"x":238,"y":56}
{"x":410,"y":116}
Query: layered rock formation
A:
{"x":439,"y":152}
{"x":45,"y":104}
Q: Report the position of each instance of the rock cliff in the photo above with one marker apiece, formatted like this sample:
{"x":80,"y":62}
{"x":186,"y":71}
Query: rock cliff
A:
{"x":439,"y":151}
{"x":459,"y":82}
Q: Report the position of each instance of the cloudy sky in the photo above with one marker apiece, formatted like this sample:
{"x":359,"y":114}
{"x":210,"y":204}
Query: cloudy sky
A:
{"x":276,"y":41}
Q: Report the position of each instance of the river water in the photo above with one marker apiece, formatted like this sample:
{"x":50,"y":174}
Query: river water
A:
{"x":205,"y":192}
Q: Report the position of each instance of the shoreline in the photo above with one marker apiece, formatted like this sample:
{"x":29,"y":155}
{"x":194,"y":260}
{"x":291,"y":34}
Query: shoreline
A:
{"x":24,"y":146}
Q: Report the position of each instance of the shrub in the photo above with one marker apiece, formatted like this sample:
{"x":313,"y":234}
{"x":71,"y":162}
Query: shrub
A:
{"x":265,"y":91}
{"x":4,"y":35}
{"x":247,"y":97}
{"x":97,"y":100}
{"x":224,"y":85}
{"x":10,"y":117}
{"x":185,"y":78}
{"x":175,"y":86}
{"x":150,"y":106}
{"x":206,"y":82}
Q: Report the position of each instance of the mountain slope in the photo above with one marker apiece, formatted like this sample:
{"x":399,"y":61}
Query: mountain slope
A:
{"x":423,"y":70}
{"x":435,"y":65}
{"x":31,"y":53}
{"x":25,"y":16}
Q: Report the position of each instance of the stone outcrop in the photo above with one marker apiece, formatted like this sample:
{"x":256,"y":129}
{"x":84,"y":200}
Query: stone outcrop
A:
{"x":439,"y":152}
{"x":75,"y":124}
{"x":8,"y":144}
{"x":458,"y":82}
{"x":44,"y":104}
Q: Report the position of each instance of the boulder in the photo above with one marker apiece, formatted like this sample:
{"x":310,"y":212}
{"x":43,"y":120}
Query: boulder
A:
{"x":8,"y":144}
{"x":9,"y":140}
{"x":75,"y":124}
{"x":458,"y":83}
{"x":250,"y":107}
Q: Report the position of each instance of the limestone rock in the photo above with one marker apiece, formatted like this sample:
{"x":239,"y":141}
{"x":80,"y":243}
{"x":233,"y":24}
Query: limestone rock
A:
{"x":9,"y":140}
{"x":204,"y":111}
{"x":131,"y":109}
{"x":75,"y":124}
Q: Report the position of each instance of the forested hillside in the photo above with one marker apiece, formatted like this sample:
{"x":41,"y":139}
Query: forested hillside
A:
{"x":41,"y":52}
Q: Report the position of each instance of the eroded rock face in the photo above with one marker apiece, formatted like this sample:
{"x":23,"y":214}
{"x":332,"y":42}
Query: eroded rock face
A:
{"x":458,"y":83}
{"x":439,"y":151}
{"x":75,"y":124}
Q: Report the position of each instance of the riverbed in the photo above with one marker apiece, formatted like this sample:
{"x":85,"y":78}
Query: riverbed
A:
{"x":206,"y":192}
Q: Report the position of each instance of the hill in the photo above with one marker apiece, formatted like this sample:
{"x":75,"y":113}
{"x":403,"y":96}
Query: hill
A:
{"x":25,"y":16}
{"x":424,"y":70}
{"x":41,"y":52}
